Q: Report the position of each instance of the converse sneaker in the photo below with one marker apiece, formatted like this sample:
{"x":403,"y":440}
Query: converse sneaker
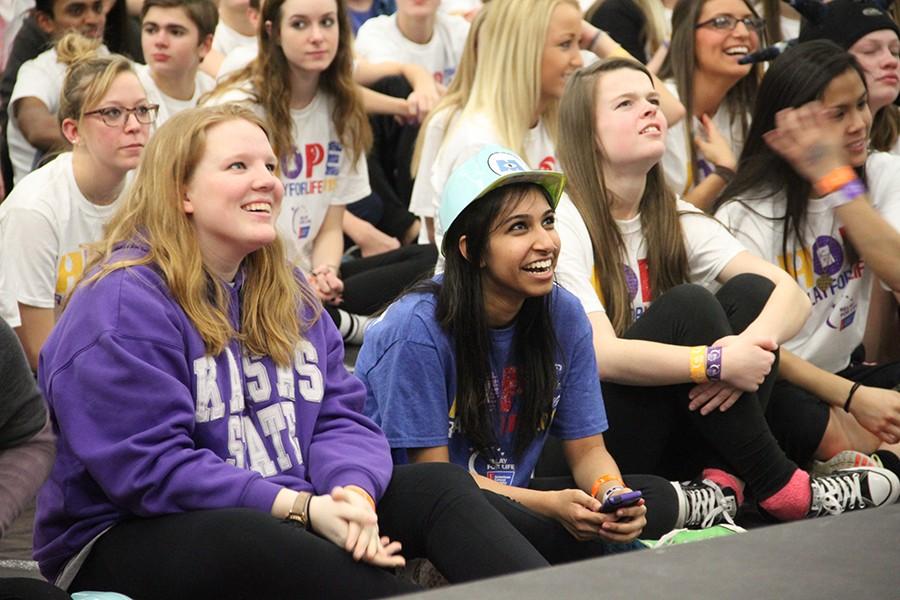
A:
{"x":853,"y":489}
{"x":704,"y":504}
{"x":848,"y":459}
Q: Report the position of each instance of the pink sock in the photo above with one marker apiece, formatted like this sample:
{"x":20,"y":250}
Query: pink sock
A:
{"x":792,"y":501}
{"x":726,"y":480}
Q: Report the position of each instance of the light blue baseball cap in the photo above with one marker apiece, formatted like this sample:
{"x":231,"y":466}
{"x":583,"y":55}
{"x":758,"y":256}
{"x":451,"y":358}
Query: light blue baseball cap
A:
{"x":493,"y":167}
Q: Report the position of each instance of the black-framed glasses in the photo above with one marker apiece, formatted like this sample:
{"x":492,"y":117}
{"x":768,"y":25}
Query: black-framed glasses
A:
{"x":115,"y":116}
{"x":729,"y":22}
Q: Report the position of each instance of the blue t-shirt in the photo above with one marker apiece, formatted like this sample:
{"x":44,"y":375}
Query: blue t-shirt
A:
{"x":378,"y":8}
{"x":408,"y":366}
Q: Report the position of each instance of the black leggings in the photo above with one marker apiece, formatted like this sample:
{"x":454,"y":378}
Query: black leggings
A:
{"x":651,"y":428}
{"x":373,"y":282}
{"x":798,"y":419}
{"x":435,"y":510}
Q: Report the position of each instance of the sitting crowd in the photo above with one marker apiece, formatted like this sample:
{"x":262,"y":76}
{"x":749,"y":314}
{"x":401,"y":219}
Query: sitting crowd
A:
{"x":622,"y":271}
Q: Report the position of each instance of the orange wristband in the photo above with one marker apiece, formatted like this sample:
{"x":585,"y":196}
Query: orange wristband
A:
{"x":835,"y":180}
{"x":698,"y":364}
{"x":606,"y":478}
{"x":361,"y":492}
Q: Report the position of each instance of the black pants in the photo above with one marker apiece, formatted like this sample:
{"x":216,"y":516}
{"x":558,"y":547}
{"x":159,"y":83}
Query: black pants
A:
{"x":373,"y":282}
{"x":387,"y":208}
{"x":798,"y":419}
{"x":435,"y":510}
{"x":651,"y":428}
{"x":21,"y":588}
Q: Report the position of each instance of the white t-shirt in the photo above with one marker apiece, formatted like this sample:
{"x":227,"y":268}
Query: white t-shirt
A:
{"x":463,"y":139}
{"x":675,"y":159}
{"x":13,"y":13}
{"x":43,"y":224}
{"x":226,"y":39}
{"x":168,"y":106}
{"x":237,"y":59}
{"x":42,"y":78}
{"x":320,"y":174}
{"x":838,"y":285}
{"x":708,"y":244}
{"x":459,"y":7}
{"x":380,"y":40}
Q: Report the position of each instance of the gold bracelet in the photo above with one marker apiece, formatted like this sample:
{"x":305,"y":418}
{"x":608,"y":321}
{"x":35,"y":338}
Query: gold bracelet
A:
{"x":361,"y":492}
{"x":698,"y":364}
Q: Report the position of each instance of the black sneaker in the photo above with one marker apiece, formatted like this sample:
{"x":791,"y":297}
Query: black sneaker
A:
{"x":853,"y":489}
{"x":704,"y":504}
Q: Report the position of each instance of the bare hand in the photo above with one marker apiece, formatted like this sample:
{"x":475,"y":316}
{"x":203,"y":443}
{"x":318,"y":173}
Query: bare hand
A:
{"x":578,"y":512}
{"x":807,"y":139}
{"x":627,"y":523}
{"x":878,"y":410}
{"x":713,"y":145}
{"x":712,"y":395}
{"x":363,"y":541}
{"x":746,"y":361}
{"x":327,"y":284}
{"x":330,"y":518}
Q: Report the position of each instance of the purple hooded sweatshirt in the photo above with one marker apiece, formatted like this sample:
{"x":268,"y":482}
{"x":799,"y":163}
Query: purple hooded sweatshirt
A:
{"x":149,"y":424}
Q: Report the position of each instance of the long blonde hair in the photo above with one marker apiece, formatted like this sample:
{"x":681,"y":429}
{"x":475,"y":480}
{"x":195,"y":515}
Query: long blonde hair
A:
{"x":268,"y":75}
{"x":152,"y":217}
{"x":582,"y":160}
{"x":507,"y":81}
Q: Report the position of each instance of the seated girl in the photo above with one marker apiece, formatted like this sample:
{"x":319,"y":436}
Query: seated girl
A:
{"x":709,"y":37}
{"x":526,"y":49}
{"x":211,"y":443}
{"x":812,"y":200}
{"x":106,"y":116}
{"x":302,"y":84}
{"x":525,"y":370}
{"x":641,"y":262}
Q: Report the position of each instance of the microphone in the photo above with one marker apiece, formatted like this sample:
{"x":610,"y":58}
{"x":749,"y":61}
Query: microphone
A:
{"x":766,"y":54}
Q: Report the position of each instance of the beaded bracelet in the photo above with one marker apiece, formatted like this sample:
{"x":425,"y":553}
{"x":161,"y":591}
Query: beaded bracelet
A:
{"x":698,"y":364}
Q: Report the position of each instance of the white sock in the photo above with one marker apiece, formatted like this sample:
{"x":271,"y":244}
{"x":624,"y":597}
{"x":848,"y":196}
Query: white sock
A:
{"x":352,"y":326}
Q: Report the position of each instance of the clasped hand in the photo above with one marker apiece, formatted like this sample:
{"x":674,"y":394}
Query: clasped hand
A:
{"x":347,"y":520}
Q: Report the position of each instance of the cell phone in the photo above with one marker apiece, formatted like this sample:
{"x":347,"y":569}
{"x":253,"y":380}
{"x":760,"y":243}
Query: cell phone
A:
{"x":618,"y":501}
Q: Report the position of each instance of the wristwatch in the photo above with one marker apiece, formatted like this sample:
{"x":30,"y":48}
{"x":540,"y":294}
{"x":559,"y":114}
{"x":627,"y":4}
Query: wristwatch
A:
{"x":300,"y":509}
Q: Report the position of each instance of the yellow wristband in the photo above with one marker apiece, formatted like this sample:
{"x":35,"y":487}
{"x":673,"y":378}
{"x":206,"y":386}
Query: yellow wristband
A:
{"x":361,"y":492}
{"x":605,"y":478}
{"x":698,"y":364}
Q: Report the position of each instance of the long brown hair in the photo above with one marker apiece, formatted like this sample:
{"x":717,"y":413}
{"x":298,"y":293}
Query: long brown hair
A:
{"x":268,"y":76}
{"x":582,"y":161}
{"x":680,"y":63}
{"x":152,"y":217}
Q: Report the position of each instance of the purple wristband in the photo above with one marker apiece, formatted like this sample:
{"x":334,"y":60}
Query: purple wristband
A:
{"x":714,"y":363}
{"x":846,"y":194}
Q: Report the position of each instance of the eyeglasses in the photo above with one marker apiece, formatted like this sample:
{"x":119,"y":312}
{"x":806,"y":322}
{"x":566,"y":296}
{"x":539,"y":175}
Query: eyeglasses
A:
{"x":115,"y":116}
{"x":728,"y":23}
